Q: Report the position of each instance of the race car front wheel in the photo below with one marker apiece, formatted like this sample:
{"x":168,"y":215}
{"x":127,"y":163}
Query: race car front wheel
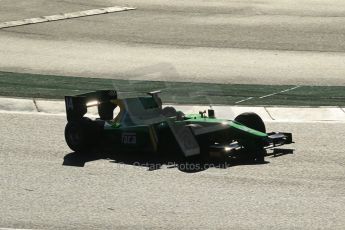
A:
{"x":255,"y":149}
{"x":251,"y":120}
{"x":81,"y":135}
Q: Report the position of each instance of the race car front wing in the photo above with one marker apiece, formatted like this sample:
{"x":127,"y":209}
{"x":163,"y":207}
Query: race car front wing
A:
{"x":273,"y":140}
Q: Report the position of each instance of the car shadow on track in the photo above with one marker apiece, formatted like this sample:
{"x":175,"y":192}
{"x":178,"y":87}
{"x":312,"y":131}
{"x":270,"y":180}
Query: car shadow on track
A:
{"x":154,"y":162}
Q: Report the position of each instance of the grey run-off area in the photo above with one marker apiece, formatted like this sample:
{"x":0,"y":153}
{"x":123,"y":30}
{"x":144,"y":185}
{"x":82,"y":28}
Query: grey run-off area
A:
{"x":267,"y":42}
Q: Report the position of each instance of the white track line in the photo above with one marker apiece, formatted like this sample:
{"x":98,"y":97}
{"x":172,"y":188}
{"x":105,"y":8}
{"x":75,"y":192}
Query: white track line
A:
{"x":247,"y":99}
{"x":286,"y":90}
{"x":64,"y":16}
{"x":16,"y":229}
{"x":268,"y":95}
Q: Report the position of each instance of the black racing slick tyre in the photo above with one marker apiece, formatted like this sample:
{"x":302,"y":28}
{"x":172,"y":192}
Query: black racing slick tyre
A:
{"x":251,"y":120}
{"x":82,"y":135}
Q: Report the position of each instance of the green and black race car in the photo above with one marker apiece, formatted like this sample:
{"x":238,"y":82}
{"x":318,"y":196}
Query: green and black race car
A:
{"x":142,"y":125}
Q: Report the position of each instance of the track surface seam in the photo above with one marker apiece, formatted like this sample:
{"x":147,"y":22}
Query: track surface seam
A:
{"x":35,"y":103}
{"x":342,"y":109}
{"x":269,"y":113}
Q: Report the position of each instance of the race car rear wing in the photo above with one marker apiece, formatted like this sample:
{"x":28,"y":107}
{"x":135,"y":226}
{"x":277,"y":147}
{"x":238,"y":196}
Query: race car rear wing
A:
{"x":76,"y":106}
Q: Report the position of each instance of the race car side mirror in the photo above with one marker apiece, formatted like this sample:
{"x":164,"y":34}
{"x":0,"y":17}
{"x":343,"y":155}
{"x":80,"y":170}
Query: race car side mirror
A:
{"x":211,"y":113}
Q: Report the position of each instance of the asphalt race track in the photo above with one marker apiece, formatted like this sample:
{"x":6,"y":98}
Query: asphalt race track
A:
{"x":303,"y":190}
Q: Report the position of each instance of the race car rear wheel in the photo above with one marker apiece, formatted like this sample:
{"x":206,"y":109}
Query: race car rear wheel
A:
{"x":81,"y":135}
{"x":251,"y":120}
{"x":255,"y":151}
